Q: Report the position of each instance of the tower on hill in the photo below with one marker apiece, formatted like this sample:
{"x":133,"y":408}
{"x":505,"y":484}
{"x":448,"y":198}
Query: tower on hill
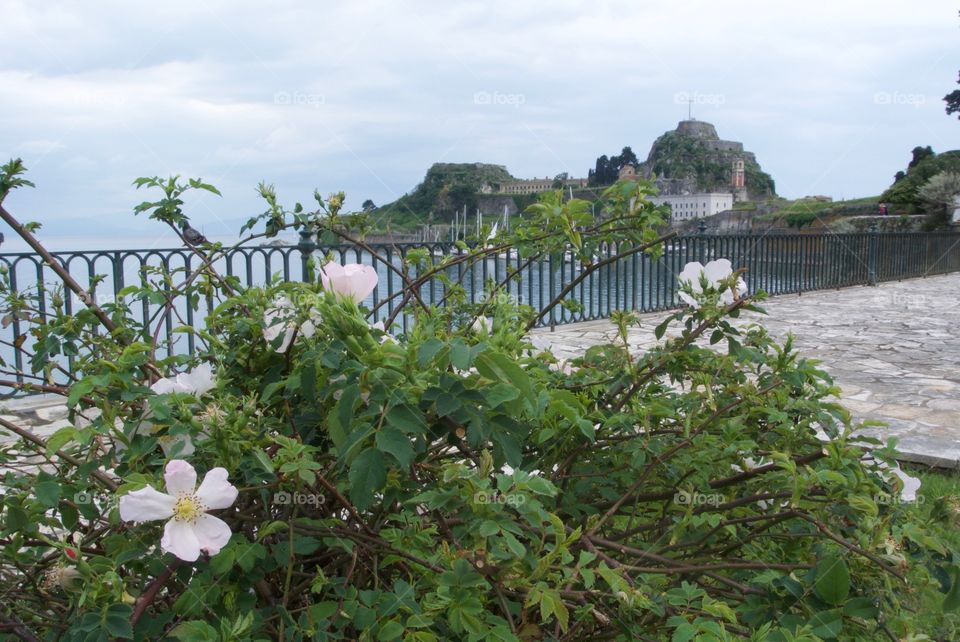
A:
{"x":694,"y":159}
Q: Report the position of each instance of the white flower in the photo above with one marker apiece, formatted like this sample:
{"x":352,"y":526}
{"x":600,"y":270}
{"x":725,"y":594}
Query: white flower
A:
{"x":715,"y":271}
{"x":189,"y":529}
{"x":386,"y":335}
{"x":482,"y":325}
{"x":61,"y":577}
{"x":196,"y":382}
{"x":911,"y":484}
{"x":277,"y":320}
{"x":492,"y":235}
{"x":353,"y":280}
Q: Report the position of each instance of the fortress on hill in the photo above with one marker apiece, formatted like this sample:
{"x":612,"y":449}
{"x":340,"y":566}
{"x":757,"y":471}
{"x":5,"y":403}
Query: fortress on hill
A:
{"x":698,"y":173}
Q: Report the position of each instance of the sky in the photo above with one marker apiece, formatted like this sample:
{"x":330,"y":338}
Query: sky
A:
{"x":364,"y":96}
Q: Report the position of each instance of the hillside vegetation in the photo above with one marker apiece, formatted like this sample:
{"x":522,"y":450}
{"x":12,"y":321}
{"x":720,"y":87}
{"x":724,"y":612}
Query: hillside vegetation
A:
{"x":445,"y":189}
{"x":677,"y":155}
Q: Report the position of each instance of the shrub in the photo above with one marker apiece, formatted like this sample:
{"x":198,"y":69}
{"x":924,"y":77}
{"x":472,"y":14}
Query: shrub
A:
{"x":454,"y":482}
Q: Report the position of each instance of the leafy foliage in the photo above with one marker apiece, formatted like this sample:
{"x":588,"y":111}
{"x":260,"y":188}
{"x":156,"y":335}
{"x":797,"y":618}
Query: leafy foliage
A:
{"x":924,"y":165}
{"x":454,"y":482}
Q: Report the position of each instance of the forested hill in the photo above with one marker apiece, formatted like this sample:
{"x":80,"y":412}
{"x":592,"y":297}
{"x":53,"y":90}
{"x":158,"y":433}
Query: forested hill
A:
{"x":446,"y":188}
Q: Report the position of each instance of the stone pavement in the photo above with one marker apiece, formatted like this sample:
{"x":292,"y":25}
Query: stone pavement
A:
{"x":893,"y":349}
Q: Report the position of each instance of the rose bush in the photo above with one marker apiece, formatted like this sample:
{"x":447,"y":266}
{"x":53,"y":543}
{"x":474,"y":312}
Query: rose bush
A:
{"x":455,"y":483}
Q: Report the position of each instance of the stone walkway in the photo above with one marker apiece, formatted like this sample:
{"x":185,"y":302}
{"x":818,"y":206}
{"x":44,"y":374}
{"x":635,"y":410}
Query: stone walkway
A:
{"x":894,"y":350}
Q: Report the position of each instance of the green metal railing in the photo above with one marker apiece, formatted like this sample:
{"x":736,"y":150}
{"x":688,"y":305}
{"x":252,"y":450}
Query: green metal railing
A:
{"x":777,"y":264}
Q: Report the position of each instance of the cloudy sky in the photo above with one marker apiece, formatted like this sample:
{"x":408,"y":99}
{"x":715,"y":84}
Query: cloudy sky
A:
{"x":363,"y":96}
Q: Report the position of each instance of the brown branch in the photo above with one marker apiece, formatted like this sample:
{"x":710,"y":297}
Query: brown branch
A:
{"x":150,"y":594}
{"x":151,"y":371}
{"x":17,"y":627}
{"x":593,"y":268}
{"x":38,"y":441}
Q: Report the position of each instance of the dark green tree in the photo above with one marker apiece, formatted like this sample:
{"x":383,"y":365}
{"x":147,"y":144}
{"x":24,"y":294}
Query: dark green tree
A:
{"x":953,"y":101}
{"x":920,"y":153}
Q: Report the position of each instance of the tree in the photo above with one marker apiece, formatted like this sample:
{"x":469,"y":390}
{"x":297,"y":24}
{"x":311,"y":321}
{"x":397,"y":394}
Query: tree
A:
{"x":953,"y":101}
{"x":627,"y":157}
{"x":560,"y":180}
{"x":919,"y":154}
{"x":937,"y":196}
{"x":368,"y":205}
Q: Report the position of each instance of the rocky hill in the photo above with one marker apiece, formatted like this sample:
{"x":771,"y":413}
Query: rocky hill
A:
{"x":446,"y":188}
{"x":693,"y":158}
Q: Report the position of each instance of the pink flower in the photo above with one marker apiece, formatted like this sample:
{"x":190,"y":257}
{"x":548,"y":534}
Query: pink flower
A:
{"x":353,"y":280}
{"x":189,"y":528}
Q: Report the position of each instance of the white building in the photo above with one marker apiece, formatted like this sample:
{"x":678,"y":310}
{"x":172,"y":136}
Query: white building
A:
{"x":690,"y":206}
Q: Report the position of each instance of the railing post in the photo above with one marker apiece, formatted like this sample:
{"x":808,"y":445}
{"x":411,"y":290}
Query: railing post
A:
{"x":702,"y":242}
{"x":872,"y":244}
{"x":306,"y":247}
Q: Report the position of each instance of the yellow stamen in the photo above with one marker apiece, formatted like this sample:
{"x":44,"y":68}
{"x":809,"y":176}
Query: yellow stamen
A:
{"x":187,"y":508}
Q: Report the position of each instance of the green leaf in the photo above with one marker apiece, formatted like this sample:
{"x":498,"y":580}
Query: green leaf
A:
{"x":77,"y":390}
{"x":861,"y":607}
{"x":116,"y":620}
{"x":487,"y":528}
{"x":827,"y":624}
{"x":195,"y":631}
{"x":407,"y":419}
{"x":47,"y":492}
{"x":321,"y":611}
{"x":952,"y":601}
{"x":339,"y":421}
{"x":390,"y":631}
{"x":391,"y":440}
{"x":430,"y":348}
{"x":367,"y":476}
{"x":832,"y":583}
{"x":500,"y":393}
{"x":59,"y":439}
{"x":500,"y":368}
{"x":514,"y":544}
{"x":447,"y":404}
{"x":662,"y":328}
